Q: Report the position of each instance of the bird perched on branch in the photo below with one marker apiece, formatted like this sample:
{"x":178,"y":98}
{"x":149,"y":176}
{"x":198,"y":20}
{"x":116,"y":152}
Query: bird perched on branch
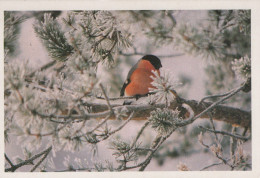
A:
{"x":139,"y":78}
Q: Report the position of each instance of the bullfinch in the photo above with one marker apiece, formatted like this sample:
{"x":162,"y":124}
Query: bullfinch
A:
{"x":139,"y":78}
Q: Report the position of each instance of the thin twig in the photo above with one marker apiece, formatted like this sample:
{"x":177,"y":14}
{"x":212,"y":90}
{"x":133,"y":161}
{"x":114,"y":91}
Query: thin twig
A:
{"x":71,"y":169}
{"x":19,"y":96}
{"x":107,"y":100}
{"x":244,"y":132}
{"x":217,"y":154}
{"x":213,"y":126}
{"x":100,"y":124}
{"x":14,"y":167}
{"x":69,"y":24}
{"x":86,"y":116}
{"x":215,"y":96}
{"x":143,"y":54}
{"x":224,"y":161}
{"x":41,"y":160}
{"x":121,"y":126}
{"x":9,"y":161}
{"x":214,"y":129}
{"x":232,"y":145}
{"x":186,"y":122}
{"x":155,"y":145}
{"x":49,"y":133}
{"x":158,"y":141}
{"x":224,"y":27}
{"x":125,"y":97}
{"x":215,"y":164}
{"x":107,"y":135}
{"x":116,"y":98}
{"x":81,"y":127}
{"x":142,"y":149}
{"x":172,"y":18}
{"x":226,"y":133}
{"x":44,"y":67}
{"x":139,"y":134}
{"x":77,"y":50}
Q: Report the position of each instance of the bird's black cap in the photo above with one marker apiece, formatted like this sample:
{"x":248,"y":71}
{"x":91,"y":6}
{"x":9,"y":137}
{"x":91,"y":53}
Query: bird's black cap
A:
{"x":155,"y":61}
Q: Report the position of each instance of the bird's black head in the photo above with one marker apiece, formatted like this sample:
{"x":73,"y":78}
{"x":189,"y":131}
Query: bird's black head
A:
{"x":155,"y":61}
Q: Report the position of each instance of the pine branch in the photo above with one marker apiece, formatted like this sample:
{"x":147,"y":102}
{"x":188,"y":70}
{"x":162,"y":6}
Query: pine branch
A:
{"x":53,"y":38}
{"x":234,"y":116}
{"x":227,"y":114}
{"x":158,"y":141}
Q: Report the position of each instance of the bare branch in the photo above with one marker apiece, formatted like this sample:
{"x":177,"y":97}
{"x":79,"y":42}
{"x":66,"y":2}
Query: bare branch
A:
{"x":14,"y":167}
{"x":218,"y":153}
{"x":218,"y":112}
{"x":41,"y":160}
{"x":233,"y":144}
{"x":106,"y":135}
{"x":107,"y":100}
{"x":9,"y":161}
{"x":226,"y":133}
{"x":44,"y":67}
{"x":139,"y":134}
{"x":158,"y":141}
{"x":227,"y":114}
{"x":121,"y":126}
{"x":223,"y":113}
{"x":215,"y":96}
{"x":100,"y":124}
{"x":209,"y":166}
{"x":135,"y":53}
{"x":213,"y":127}
{"x":155,"y":145}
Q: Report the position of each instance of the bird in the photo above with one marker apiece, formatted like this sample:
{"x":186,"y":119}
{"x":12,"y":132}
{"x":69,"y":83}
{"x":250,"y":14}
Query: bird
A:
{"x":139,"y":79}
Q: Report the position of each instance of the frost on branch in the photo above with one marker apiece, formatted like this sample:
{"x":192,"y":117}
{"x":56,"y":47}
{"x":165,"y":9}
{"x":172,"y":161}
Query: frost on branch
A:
{"x":96,"y":36}
{"x":53,"y":38}
{"x":123,"y":151}
{"x":207,"y":43}
{"x":164,"y":120}
{"x":244,"y":21}
{"x":242,"y":67}
{"x":163,"y":87}
{"x":183,"y":167}
{"x":12,"y":21}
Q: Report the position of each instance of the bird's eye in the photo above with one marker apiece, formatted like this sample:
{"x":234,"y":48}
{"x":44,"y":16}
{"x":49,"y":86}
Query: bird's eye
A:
{"x":127,"y":81}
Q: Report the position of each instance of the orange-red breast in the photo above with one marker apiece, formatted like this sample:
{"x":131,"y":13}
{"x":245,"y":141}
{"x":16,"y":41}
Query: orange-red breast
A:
{"x":139,"y":78}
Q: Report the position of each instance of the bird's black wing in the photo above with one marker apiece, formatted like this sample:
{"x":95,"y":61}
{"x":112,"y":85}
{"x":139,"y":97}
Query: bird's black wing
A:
{"x":127,"y":81}
{"x":122,"y":91}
